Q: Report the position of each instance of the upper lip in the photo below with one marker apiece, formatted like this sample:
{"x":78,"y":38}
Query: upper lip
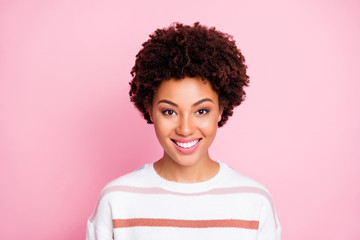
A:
{"x":185,"y":140}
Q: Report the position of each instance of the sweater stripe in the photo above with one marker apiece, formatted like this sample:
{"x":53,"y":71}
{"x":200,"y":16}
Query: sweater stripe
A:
{"x":155,"y":222}
{"x":155,"y":190}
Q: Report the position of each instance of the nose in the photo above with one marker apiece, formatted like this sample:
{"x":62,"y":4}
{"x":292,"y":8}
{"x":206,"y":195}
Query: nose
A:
{"x":186,"y":126}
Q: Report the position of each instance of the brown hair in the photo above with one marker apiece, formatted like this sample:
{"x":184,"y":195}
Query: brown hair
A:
{"x":188,"y":51}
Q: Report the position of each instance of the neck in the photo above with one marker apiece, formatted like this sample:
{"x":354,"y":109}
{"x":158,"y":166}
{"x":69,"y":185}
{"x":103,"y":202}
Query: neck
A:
{"x":171,"y":170}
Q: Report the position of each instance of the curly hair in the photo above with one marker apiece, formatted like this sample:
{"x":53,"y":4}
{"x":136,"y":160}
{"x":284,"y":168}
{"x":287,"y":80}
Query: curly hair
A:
{"x":181,"y":51}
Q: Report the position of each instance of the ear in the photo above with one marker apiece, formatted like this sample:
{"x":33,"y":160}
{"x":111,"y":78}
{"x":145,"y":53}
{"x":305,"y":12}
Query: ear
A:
{"x":220,"y":113}
{"x":149,"y":111}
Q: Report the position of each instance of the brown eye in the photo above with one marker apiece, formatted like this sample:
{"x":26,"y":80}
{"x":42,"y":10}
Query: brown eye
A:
{"x":202,"y":111}
{"x":168,"y":112}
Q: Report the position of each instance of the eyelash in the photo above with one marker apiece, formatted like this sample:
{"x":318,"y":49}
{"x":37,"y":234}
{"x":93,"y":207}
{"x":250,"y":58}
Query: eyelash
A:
{"x":166,"y":112}
{"x":203,"y":109}
{"x":169,"y":112}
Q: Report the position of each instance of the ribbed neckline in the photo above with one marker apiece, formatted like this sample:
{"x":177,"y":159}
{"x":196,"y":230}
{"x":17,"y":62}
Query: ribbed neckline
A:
{"x":188,"y":187}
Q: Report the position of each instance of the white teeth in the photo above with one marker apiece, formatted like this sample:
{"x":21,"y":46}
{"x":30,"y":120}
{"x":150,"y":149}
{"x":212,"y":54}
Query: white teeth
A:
{"x":187,"y":145}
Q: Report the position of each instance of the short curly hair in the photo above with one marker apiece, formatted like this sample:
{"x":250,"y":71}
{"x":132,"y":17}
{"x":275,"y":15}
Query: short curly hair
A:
{"x":181,"y":51}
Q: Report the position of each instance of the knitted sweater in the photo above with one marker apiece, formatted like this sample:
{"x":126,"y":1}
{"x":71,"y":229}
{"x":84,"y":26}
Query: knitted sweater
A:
{"x":143,"y":205}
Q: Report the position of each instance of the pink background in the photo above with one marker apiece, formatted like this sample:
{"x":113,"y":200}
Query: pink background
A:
{"x":67,"y":126}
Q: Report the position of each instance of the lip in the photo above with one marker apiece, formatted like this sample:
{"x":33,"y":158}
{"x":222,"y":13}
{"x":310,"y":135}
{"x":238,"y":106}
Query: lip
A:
{"x":185,"y":140}
{"x":186,"y":150}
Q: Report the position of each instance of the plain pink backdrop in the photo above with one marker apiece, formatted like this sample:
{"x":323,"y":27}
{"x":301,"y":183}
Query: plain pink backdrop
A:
{"x":67,"y":126}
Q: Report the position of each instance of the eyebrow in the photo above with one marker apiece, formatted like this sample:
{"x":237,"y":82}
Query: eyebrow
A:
{"x":194,"y":105}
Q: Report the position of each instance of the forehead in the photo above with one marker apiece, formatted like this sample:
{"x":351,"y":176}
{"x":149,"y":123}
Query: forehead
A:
{"x":188,"y":89}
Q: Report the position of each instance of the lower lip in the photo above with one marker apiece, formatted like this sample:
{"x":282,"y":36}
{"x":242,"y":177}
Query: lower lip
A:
{"x":187,"y":150}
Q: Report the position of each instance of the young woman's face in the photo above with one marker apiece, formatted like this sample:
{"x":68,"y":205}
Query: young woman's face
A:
{"x":185,"y":114}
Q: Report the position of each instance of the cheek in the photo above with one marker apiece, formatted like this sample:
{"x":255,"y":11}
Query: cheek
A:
{"x":210,"y":126}
{"x":162,"y":128}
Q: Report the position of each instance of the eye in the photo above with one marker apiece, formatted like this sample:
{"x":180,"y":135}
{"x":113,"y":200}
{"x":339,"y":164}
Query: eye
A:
{"x":202,"y":111}
{"x":168,"y":112}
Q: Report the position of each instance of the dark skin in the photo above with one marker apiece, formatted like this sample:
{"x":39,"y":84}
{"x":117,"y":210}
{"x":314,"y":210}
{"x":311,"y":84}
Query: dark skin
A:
{"x":186,"y":110}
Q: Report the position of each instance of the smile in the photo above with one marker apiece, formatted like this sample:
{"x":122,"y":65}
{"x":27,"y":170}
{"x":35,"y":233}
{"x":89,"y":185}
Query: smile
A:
{"x":186,"y":146}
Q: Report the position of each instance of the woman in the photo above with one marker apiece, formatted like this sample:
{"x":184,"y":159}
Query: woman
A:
{"x":186,"y":81}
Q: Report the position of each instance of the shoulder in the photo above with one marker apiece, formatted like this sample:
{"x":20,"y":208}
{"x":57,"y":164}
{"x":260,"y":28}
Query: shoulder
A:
{"x":234,"y":178}
{"x":124,"y":184}
{"x":239,"y":183}
{"x":134,"y":178}
{"x":127,"y":183}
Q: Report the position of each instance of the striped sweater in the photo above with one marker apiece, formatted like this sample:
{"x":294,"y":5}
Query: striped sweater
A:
{"x":143,"y":205}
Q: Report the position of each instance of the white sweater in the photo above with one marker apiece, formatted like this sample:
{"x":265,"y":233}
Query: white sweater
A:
{"x":143,"y":205}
